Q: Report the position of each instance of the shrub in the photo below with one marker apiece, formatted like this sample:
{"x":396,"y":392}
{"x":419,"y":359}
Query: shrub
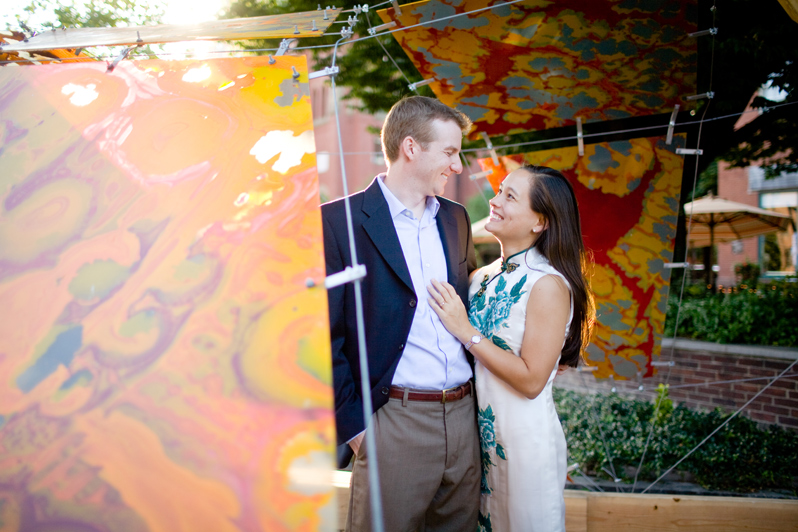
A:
{"x":747,"y":273}
{"x":741,"y":457}
{"x":761,"y":315}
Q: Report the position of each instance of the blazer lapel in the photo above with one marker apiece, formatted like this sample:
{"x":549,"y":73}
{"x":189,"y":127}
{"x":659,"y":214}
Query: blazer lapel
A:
{"x":379,"y":227}
{"x":448,"y":231}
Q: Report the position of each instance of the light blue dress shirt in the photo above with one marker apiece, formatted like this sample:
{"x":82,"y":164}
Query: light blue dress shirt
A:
{"x":433,"y":359}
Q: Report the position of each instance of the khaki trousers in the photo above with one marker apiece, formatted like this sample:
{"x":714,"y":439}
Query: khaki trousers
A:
{"x":429,"y":468}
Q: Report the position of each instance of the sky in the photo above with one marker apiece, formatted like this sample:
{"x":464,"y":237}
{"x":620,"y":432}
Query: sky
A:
{"x":192,"y":11}
{"x":175,"y":12}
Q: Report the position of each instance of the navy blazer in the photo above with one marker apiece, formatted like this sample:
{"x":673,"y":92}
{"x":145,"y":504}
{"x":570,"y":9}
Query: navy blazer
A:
{"x":389,"y":301}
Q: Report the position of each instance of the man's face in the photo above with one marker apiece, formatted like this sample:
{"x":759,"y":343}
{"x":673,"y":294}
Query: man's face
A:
{"x":441,"y":158}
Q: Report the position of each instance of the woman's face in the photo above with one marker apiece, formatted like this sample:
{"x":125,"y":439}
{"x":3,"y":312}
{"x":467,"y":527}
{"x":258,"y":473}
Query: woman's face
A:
{"x":511,"y":215}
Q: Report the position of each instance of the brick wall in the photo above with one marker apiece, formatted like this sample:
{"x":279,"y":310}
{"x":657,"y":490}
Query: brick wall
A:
{"x":733,"y":186}
{"x":696,"y":364}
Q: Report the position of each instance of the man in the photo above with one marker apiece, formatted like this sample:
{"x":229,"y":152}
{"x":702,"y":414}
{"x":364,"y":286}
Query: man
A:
{"x":424,"y":422}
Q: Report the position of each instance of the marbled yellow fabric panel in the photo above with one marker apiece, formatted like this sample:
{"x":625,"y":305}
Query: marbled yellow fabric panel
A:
{"x":628,"y":195}
{"x":164,"y":366}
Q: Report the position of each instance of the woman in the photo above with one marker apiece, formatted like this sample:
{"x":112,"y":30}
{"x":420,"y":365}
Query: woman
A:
{"x":528,"y":312}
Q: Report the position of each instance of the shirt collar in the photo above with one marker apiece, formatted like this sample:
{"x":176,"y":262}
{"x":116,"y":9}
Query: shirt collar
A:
{"x":397,"y":207}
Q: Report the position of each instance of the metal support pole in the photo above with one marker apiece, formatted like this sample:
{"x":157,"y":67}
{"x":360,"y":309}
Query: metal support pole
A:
{"x":365,"y":387}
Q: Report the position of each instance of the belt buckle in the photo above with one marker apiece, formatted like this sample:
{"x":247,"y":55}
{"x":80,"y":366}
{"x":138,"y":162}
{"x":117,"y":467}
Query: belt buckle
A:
{"x":443,"y":392}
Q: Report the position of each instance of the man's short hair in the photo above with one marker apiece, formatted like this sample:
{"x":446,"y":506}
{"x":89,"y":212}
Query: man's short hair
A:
{"x":413,"y":117}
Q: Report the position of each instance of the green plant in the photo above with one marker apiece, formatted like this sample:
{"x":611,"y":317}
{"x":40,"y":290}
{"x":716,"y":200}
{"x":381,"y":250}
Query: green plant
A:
{"x":747,"y":273}
{"x":763,"y":315}
{"x":663,"y":413}
{"x":741,"y":457}
{"x":772,"y":253}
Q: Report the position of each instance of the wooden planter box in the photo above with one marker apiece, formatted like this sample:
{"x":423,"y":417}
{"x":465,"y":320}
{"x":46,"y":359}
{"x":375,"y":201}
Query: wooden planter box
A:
{"x":629,"y":512}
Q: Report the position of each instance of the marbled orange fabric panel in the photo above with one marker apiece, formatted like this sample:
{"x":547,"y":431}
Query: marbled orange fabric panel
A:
{"x":628,"y":195}
{"x":164,"y":366}
{"x":540,"y":64}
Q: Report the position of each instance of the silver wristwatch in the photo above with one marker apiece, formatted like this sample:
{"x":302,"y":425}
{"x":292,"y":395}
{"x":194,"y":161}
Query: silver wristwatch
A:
{"x":473,"y":341}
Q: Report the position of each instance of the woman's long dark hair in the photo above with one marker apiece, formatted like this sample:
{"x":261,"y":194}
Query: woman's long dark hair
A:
{"x":552,"y":196}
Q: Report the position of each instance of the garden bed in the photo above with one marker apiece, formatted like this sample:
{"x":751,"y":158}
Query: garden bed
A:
{"x":743,"y":457}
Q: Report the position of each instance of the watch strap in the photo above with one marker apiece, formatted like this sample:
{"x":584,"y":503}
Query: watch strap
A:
{"x":471,"y":342}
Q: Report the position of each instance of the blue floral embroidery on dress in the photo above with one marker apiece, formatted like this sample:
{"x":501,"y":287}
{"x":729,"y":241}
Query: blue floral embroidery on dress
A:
{"x":487,"y":441}
{"x":483,"y":523}
{"x":488,"y":315}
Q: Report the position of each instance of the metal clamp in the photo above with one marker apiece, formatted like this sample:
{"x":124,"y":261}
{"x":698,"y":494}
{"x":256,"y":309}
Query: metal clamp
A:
{"x":347,"y":275}
{"x":489,"y":145}
{"x":686,"y":151}
{"x":474,"y":177}
{"x":285,"y":44}
{"x":710,"y":31}
{"x":414,"y":86}
{"x":327,"y":71}
{"x":672,"y":124}
{"x":120,"y":57}
{"x":709,"y":95}
{"x":667,"y":364}
{"x":381,"y":27}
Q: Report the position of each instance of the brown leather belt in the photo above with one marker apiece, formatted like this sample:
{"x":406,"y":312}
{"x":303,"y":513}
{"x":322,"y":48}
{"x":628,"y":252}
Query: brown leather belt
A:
{"x":443,"y":396}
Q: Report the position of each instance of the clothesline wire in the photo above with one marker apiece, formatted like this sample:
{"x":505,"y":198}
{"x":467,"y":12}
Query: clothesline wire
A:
{"x":729,"y":381}
{"x":651,"y":388}
{"x":384,"y":49}
{"x":628,"y":130}
{"x":590,"y":481}
{"x":590,"y":135}
{"x":700,"y":123}
{"x":334,"y":46}
{"x":684,"y":276}
{"x":694,"y":449}
{"x":598,"y":423}
{"x":467,"y":167}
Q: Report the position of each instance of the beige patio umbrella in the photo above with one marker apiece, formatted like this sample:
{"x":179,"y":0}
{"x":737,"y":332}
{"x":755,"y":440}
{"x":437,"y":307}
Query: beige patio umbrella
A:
{"x":717,"y":219}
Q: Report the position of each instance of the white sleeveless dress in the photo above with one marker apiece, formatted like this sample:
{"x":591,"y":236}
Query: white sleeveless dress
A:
{"x":523,"y":447}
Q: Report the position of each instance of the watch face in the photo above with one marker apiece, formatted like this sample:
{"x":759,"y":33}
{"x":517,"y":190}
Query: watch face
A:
{"x":475,"y":339}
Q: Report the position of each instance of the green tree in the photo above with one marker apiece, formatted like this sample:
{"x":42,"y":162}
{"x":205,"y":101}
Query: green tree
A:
{"x":755,"y":46}
{"x":45,"y":14}
{"x":40,"y":14}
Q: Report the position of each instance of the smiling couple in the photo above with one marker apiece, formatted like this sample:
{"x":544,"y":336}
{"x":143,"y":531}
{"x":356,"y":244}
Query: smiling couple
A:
{"x":447,"y":462}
